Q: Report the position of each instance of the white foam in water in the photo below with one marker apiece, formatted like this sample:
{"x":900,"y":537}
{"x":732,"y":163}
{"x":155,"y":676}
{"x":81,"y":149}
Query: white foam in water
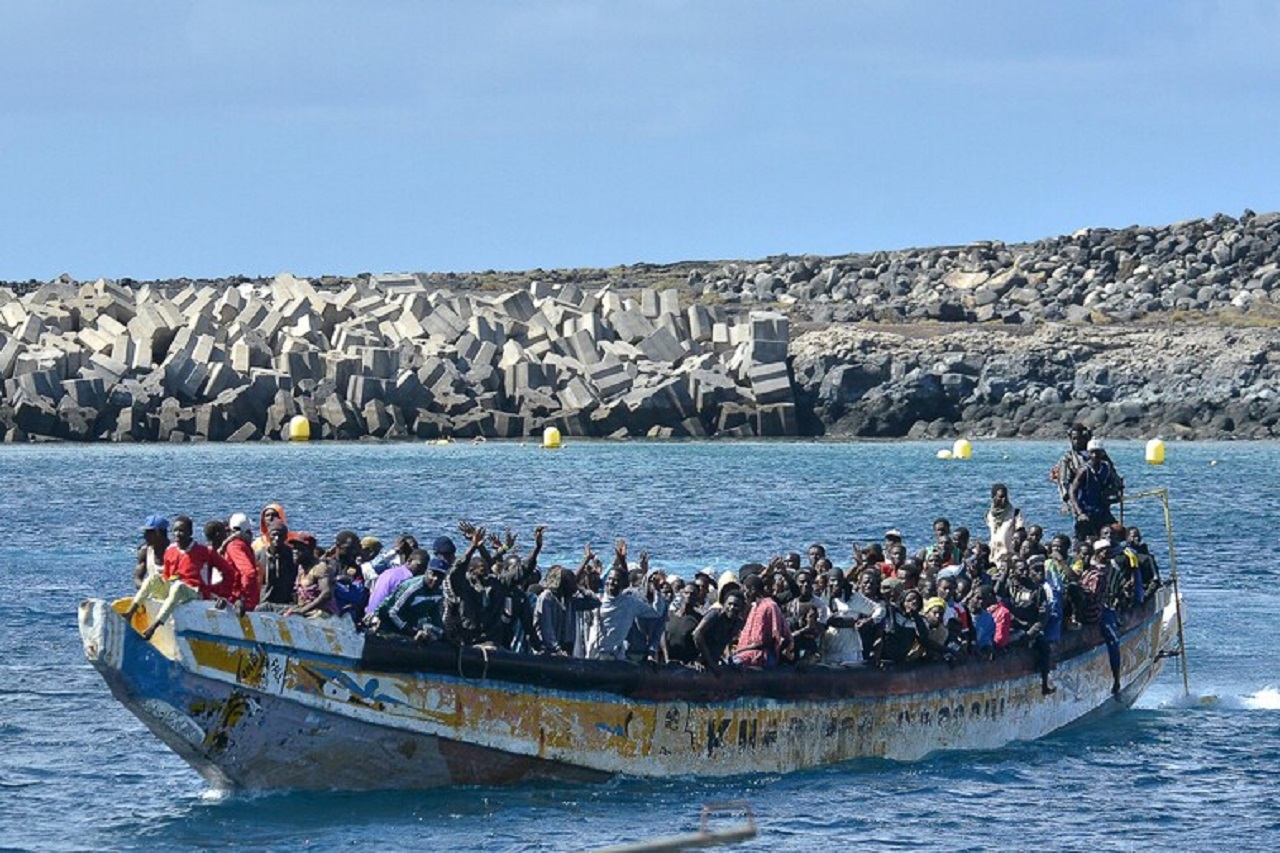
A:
{"x":1266,"y":699}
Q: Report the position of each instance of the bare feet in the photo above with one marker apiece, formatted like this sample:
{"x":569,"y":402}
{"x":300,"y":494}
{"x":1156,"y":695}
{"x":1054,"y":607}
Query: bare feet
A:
{"x":150,"y":632}
{"x":1048,"y":689}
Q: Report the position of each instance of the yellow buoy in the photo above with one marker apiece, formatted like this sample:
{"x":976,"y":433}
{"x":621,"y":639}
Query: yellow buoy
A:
{"x":551,"y":438}
{"x":299,"y":428}
{"x":962,"y":449}
{"x":1155,"y":451}
{"x":944,"y":454}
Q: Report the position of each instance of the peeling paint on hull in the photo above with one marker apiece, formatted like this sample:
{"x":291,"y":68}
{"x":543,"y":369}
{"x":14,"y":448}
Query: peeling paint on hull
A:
{"x":264,"y":701}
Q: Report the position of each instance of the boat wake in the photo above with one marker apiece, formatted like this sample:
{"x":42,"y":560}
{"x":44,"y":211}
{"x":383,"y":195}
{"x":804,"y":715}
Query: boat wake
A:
{"x":1266,"y":699}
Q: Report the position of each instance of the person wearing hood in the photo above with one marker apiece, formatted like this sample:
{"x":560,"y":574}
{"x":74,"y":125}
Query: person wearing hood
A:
{"x":271,"y":514}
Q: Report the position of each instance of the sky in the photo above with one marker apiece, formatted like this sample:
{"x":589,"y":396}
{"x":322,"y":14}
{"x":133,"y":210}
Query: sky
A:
{"x":162,"y":139}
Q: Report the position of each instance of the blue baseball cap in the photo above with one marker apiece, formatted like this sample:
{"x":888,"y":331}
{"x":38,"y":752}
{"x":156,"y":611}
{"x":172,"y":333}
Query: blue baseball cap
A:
{"x":156,"y":522}
{"x":439,"y":566}
{"x":444,"y":545}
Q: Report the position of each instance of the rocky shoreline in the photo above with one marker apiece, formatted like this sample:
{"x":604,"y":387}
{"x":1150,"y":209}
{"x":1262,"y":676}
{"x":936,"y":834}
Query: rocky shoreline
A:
{"x":1145,"y":331}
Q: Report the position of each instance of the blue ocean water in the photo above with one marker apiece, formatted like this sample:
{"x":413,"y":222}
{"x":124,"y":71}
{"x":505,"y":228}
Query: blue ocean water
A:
{"x":77,"y":771}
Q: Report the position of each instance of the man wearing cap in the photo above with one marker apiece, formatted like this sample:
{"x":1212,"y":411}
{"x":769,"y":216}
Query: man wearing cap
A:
{"x":1101,"y":584}
{"x":186,"y":577}
{"x":155,"y":541}
{"x":416,"y":606}
{"x":237,"y":550}
{"x":1091,"y":491}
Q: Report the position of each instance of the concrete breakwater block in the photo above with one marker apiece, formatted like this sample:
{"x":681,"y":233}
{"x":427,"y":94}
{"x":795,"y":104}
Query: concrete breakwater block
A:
{"x":711,"y":349}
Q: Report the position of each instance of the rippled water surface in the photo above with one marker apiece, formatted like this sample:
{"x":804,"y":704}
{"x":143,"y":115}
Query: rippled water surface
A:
{"x":79,"y":772}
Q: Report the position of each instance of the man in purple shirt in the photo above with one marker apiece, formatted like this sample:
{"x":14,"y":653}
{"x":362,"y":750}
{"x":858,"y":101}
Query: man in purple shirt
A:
{"x":387,"y":582}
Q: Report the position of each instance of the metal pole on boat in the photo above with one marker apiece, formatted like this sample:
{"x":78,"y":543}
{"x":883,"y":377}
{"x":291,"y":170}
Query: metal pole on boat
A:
{"x":1177,"y":596}
{"x":1163,"y":494}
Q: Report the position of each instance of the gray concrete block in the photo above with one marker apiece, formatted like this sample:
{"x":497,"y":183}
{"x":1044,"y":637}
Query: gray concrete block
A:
{"x":243,"y":433}
{"x":377,"y":418}
{"x":631,"y":326}
{"x":669,"y":302}
{"x":484,"y":329}
{"x":363,"y":389}
{"x":35,"y":416}
{"x":649,"y":306}
{"x":577,"y":395}
{"x":771,"y":384}
{"x":699,"y":322}
{"x":86,"y":393}
{"x":221,"y":377}
{"x":516,"y":306}
{"x":9,"y":350}
{"x":39,"y":384}
{"x":610,"y":378}
{"x":768,"y":326}
{"x":662,"y":347}
{"x":408,"y":392}
{"x":341,"y":419}
{"x":736,"y":419}
{"x":778,"y":420}
{"x":379,"y":362}
{"x":109,"y":368}
{"x":581,"y":346}
{"x":570,"y":294}
{"x":507,"y":425}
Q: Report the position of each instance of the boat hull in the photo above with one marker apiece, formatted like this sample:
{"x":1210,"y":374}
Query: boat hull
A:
{"x":264,"y":702}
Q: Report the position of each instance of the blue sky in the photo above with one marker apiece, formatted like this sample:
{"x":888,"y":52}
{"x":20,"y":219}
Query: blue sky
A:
{"x":163,"y":139}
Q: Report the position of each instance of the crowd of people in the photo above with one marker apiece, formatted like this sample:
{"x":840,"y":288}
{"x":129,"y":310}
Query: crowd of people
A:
{"x":955,"y":598}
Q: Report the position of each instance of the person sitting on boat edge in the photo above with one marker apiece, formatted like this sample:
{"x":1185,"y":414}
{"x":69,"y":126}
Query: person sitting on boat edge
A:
{"x":186,"y":575}
{"x":237,"y":550}
{"x":416,"y":607}
{"x":385,"y":584}
{"x":155,"y":541}
{"x":765,"y":639}
{"x":1103,"y":584}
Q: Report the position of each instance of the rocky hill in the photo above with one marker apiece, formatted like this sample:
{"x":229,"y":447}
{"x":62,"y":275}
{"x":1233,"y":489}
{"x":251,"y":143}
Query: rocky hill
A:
{"x":1141,"y":331}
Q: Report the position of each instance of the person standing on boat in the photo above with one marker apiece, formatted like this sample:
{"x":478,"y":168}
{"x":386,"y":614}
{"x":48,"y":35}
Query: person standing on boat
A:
{"x":1091,"y":493}
{"x":1003,"y":518}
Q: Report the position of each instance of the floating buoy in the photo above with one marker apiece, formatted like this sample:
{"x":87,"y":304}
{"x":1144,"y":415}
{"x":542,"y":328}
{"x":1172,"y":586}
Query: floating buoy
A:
{"x":1155,"y":452}
{"x":299,"y":428}
{"x":962,"y":449}
{"x":551,"y":438}
{"x":944,"y":454}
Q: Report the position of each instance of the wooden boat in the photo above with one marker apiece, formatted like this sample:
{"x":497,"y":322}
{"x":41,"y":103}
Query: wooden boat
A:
{"x":265,"y":701}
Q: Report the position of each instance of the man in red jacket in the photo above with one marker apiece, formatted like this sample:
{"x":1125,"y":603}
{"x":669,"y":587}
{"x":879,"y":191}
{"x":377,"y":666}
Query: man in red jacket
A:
{"x":187,"y":566}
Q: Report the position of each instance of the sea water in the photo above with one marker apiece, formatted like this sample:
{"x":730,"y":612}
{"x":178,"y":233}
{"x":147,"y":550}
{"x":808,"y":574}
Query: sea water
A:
{"x":1191,"y":770}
